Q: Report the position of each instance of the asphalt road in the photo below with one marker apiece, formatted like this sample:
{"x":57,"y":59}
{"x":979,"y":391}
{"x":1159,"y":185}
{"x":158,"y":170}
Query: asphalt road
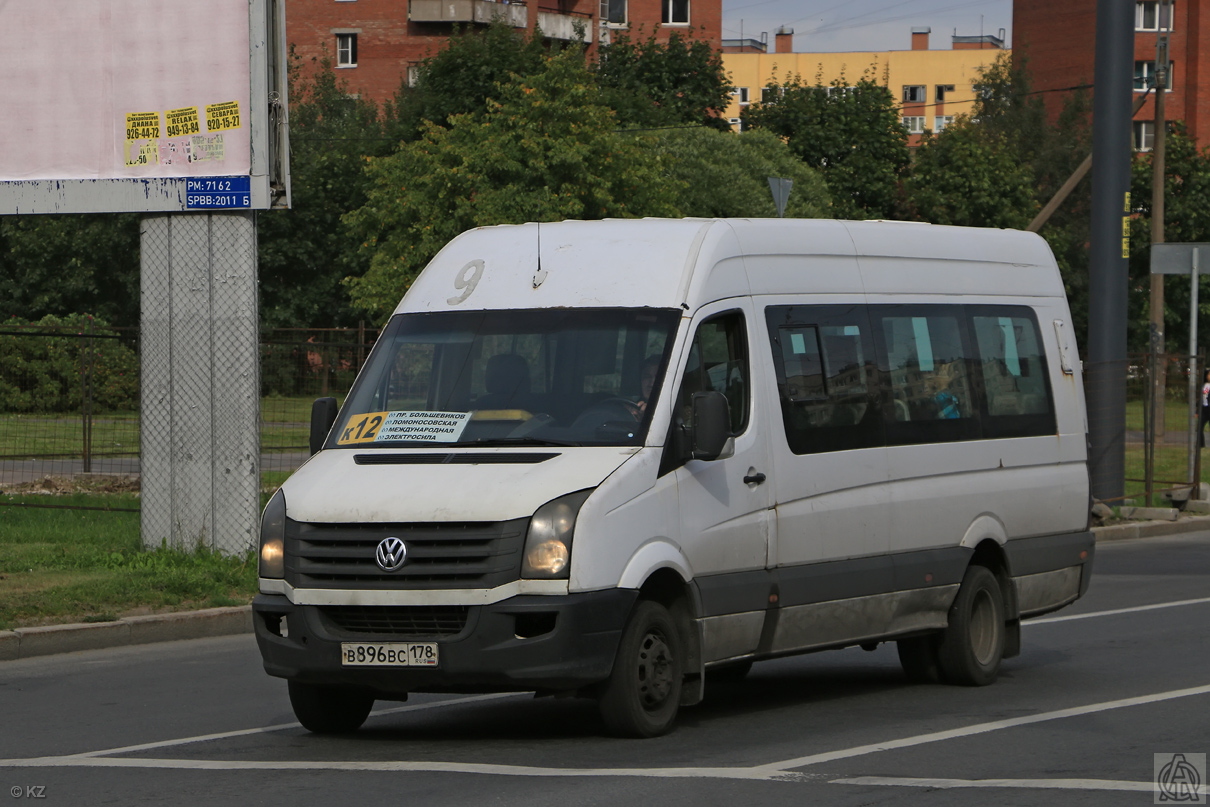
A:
{"x":1099,"y":690}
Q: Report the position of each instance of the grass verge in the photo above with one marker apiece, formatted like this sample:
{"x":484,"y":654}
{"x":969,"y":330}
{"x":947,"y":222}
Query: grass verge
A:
{"x":59,"y":566}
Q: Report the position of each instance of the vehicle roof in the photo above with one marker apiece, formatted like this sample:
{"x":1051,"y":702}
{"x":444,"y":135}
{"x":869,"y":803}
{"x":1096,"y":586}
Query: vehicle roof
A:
{"x":668,"y":263}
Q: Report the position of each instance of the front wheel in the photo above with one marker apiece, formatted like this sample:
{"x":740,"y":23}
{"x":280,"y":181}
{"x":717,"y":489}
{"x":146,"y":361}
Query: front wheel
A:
{"x":643,"y":693}
{"x":972,"y":646}
{"x":329,"y":709}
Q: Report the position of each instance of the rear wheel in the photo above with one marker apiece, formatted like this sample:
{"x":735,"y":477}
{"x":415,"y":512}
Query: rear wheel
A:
{"x":972,"y":646}
{"x":329,"y":709}
{"x":643,"y":693}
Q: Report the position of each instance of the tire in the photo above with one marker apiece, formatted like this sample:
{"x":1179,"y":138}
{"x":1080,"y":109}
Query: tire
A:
{"x":972,"y":646}
{"x":643,"y":692}
{"x":918,"y":657}
{"x":329,"y":709}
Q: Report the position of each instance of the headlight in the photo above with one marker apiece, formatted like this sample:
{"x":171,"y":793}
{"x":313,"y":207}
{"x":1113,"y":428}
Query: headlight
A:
{"x":548,"y":544}
{"x":273,"y":537}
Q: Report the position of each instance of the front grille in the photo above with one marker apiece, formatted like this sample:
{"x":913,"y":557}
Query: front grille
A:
{"x":439,"y":556}
{"x":415,"y":621}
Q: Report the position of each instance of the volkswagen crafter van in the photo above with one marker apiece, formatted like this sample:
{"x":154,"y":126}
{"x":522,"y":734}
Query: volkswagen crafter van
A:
{"x":604,"y":458}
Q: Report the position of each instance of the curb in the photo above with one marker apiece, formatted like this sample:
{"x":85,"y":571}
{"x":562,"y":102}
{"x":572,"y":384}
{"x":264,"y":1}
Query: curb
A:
{"x":43,"y":641}
{"x":1151,"y":529}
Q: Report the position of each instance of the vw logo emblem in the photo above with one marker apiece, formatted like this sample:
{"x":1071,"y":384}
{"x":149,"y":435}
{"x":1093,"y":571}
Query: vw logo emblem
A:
{"x":391,"y":554}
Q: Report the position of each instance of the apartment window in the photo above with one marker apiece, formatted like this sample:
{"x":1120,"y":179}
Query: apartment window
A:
{"x":941,"y":121}
{"x":346,"y":50}
{"x":413,"y":75}
{"x":1144,"y":76}
{"x":737,"y":124}
{"x":676,"y":12}
{"x":1144,"y":135}
{"x":1150,"y":15}
{"x":914,"y":94}
{"x":913,"y":123}
{"x":768,"y":94}
{"x":741,"y":95}
{"x":613,"y":11}
{"x":942,"y":91}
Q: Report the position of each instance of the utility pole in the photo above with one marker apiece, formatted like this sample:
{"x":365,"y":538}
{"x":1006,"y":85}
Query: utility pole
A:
{"x":1160,"y":380}
{"x":1108,"y":269}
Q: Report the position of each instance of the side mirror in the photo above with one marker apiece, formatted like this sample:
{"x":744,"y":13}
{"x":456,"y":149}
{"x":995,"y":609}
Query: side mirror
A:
{"x":711,"y":426}
{"x":323,"y":415}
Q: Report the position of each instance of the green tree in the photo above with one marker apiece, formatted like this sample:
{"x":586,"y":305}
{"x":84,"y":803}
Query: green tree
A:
{"x":653,"y":83}
{"x":1186,"y":219}
{"x":460,"y":78}
{"x":64,"y":264}
{"x":547,"y":150}
{"x":851,"y":134}
{"x":305,"y":252}
{"x":967,"y":175}
{"x":722,"y":174}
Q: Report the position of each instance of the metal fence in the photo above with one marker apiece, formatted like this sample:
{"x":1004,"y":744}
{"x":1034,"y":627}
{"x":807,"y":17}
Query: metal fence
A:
{"x":69,"y":404}
{"x":69,"y":398}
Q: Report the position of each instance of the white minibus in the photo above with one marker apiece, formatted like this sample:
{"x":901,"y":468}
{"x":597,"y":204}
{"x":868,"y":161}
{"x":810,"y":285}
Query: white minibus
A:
{"x":605,"y":458}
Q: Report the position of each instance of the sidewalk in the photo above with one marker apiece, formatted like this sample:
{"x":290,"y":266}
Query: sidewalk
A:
{"x":52,"y":639}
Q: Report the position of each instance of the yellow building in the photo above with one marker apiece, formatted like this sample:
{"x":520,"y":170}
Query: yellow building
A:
{"x":930,"y":86}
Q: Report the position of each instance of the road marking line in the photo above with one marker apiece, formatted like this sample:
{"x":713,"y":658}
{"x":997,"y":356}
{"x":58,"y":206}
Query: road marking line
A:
{"x":387,"y":765}
{"x":981,"y":728}
{"x":773,"y":771}
{"x":222,"y":735}
{"x":1116,"y":611}
{"x":1043,"y":784}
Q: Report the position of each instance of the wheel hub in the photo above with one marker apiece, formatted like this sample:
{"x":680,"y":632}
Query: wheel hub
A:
{"x":655,"y":670}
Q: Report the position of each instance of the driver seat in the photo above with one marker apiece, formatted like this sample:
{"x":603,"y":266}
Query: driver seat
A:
{"x":507,"y":382}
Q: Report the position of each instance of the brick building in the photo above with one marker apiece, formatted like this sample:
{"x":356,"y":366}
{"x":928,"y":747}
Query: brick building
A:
{"x":377,"y":44}
{"x":1058,"y":42}
{"x":931,"y":86}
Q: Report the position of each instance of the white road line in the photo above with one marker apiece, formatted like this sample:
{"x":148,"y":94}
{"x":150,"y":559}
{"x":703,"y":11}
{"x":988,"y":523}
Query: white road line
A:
{"x":981,"y":728}
{"x":223,"y":735}
{"x":386,"y":765}
{"x":1042,"y":784}
{"x":773,"y":771}
{"x":1116,"y":611}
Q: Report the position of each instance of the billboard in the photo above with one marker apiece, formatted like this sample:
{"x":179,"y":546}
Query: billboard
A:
{"x":142,"y":106}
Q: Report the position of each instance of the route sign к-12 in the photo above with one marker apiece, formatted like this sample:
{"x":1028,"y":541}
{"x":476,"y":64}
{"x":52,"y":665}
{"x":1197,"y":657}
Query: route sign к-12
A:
{"x":218,"y":193}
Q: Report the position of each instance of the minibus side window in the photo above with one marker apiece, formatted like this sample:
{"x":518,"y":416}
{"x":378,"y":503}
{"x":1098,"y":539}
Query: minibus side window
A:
{"x":924,"y":354}
{"x":826,"y":377}
{"x":1012,"y":367}
{"x":718,"y":362}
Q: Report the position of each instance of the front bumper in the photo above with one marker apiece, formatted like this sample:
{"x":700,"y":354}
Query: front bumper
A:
{"x":496,"y":651}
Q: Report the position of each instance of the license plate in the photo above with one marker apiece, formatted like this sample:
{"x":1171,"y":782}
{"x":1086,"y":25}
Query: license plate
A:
{"x":388,"y":654}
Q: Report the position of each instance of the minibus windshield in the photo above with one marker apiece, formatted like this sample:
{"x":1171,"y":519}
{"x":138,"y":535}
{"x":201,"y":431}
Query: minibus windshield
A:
{"x":523,"y":377}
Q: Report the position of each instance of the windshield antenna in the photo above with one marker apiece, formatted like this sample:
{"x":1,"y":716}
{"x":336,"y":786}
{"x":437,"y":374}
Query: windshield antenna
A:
{"x":539,"y":275}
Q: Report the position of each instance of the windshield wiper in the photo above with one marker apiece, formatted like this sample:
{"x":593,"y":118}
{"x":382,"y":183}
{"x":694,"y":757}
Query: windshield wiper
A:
{"x":517,"y":441}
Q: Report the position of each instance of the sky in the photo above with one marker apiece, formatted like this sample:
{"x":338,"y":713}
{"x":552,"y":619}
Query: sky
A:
{"x":866,"y":25}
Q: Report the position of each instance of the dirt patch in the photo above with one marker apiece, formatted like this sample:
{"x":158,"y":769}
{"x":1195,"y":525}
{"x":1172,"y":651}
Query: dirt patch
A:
{"x":78,"y":483}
